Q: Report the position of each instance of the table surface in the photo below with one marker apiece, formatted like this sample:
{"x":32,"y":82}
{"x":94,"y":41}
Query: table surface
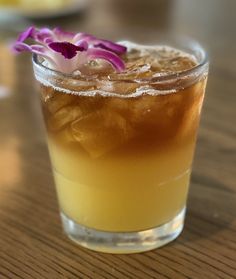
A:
{"x":32,"y":244}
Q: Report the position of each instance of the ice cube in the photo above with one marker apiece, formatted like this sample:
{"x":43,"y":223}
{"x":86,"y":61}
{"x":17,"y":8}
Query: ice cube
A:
{"x":64,"y":116}
{"x":117,"y":87}
{"x":160,"y":113}
{"x":65,"y":136}
{"x":101,"y":132}
{"x":145,"y":108}
{"x":191,"y":117}
{"x":90,"y":104}
{"x":46,"y":93}
{"x":97,"y":67}
{"x":120,"y":105}
{"x":56,"y":100}
{"x":180,"y":63}
{"x":134,"y":70}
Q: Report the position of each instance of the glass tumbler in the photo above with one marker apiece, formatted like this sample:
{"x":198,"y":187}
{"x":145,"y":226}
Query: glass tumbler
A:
{"x":122,"y":156}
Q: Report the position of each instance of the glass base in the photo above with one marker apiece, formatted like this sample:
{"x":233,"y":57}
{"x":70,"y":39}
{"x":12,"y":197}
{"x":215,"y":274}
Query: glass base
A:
{"x":122,"y":242}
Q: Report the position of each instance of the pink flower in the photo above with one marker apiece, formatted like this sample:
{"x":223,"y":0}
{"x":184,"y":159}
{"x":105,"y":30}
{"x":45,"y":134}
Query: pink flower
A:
{"x":67,"y":51}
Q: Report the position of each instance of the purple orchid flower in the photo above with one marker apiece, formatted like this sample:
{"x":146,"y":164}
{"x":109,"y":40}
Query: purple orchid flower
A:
{"x":68,"y":51}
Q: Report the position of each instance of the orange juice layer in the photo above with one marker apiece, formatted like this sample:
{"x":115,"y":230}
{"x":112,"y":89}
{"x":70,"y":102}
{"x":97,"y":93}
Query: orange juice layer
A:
{"x":130,"y":195}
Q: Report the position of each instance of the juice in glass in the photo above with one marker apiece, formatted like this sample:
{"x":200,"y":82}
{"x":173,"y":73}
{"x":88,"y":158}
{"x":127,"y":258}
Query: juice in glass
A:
{"x":122,"y":144}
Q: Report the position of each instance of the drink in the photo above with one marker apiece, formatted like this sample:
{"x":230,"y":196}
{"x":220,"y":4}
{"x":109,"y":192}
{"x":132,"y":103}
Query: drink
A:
{"x":122,"y":145}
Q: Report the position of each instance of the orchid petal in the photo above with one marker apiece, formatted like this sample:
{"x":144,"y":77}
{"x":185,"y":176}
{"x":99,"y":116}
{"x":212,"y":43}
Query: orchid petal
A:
{"x":47,"y":41}
{"x":43,"y":34}
{"x":62,"y":35}
{"x":83,"y":36}
{"x":20,"y":47}
{"x":117,"y":48}
{"x":67,"y":49}
{"x":115,"y":60}
{"x":83,"y":44}
{"x":38,"y":48}
{"x":28,"y":33}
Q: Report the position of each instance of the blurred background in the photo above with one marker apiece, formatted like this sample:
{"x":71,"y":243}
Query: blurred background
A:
{"x":212,"y":22}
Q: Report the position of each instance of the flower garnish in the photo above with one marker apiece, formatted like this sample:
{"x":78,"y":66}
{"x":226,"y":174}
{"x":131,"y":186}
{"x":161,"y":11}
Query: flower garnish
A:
{"x":67,"y":51}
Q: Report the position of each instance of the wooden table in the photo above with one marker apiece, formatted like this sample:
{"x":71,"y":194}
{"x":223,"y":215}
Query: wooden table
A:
{"x":32,"y":244}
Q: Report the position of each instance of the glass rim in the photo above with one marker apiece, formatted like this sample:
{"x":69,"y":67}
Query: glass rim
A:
{"x":194,"y":48}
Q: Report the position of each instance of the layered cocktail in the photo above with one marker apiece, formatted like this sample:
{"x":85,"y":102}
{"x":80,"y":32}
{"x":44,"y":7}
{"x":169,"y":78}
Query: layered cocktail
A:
{"x":122,"y":142}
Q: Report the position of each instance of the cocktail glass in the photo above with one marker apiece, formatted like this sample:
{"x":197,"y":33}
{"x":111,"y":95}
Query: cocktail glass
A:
{"x":122,"y":154}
